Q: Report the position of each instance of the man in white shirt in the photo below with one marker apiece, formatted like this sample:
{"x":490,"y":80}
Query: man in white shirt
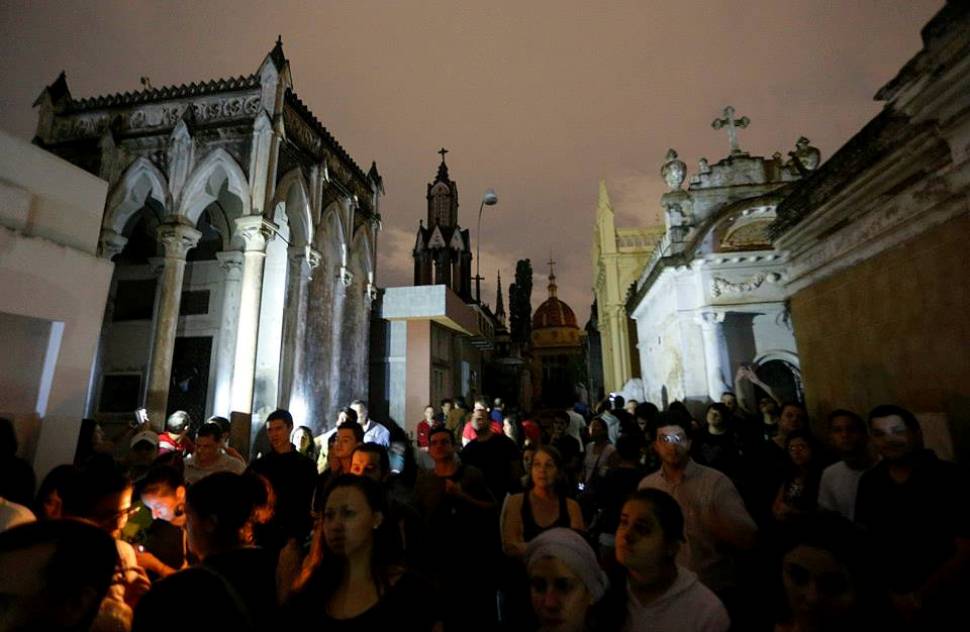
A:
{"x":840,"y":481}
{"x":576,"y":425}
{"x":715,"y":518}
{"x":373,"y":431}
{"x":208,"y":456}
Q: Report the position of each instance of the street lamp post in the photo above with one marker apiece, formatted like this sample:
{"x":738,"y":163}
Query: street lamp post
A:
{"x":490,"y":199}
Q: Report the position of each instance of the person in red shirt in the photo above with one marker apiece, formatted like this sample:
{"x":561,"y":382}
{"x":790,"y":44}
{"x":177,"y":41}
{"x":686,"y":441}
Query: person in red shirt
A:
{"x":468,"y":433}
{"x":425,"y":425}
{"x":532,"y":432}
{"x":176,"y":435}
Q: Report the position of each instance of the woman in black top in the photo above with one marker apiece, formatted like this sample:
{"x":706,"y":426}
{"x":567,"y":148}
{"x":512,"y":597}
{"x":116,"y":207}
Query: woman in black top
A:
{"x":544,"y":505}
{"x":349,"y":580}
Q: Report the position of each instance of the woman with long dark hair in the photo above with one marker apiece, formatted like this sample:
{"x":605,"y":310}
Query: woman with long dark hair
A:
{"x":350,"y":580}
{"x":798,"y":494}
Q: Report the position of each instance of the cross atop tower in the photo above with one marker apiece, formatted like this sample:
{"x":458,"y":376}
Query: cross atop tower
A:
{"x":552,"y":271}
{"x":442,"y":151}
{"x":732,"y":124}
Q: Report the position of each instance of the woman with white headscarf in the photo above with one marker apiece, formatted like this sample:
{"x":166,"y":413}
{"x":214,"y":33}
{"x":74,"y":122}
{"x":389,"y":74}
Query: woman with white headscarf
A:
{"x":565,"y":580}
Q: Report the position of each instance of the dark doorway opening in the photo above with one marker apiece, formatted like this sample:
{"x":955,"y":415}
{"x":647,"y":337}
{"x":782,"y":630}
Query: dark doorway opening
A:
{"x":190,"y":376}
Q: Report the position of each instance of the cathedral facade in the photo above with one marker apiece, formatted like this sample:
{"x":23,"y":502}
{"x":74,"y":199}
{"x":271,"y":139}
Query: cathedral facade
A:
{"x":244,"y":240}
{"x":619,"y":256}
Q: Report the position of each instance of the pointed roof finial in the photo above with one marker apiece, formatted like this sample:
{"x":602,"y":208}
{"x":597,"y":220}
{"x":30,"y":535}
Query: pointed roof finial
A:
{"x":552,"y":278}
{"x":276,"y":55}
{"x":443,"y":167}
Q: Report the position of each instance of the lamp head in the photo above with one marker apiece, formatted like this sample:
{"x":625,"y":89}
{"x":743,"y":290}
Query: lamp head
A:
{"x":489,"y":198}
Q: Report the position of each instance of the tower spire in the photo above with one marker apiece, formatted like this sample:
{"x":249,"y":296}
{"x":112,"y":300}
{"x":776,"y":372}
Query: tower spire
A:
{"x":499,"y":302}
{"x":552,"y":278}
{"x":443,"y":167}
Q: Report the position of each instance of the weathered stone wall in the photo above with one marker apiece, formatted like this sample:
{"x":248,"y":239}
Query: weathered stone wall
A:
{"x":893,"y":329}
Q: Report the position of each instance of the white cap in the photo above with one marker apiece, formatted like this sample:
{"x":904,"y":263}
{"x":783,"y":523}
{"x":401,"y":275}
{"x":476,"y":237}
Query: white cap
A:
{"x":145,"y":435}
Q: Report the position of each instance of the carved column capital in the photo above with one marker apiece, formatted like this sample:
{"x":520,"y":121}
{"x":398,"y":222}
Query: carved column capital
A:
{"x":305,"y":255}
{"x":710,"y":319}
{"x":305,"y":258}
{"x":345,"y":276}
{"x":255,"y":231}
{"x":110,"y":243}
{"x":177,"y":239}
{"x":232,"y":262}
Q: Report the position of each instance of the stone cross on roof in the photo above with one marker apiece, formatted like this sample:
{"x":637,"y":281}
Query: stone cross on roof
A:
{"x":732,"y":124}
{"x":442,"y":151}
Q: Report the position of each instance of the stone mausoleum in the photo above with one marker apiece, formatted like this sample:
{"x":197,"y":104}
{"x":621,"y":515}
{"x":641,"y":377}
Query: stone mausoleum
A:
{"x":712,"y":296}
{"x":243,"y":238}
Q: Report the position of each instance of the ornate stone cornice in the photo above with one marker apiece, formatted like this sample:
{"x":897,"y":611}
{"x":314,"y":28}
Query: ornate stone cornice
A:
{"x":164,"y":93}
{"x":177,"y":239}
{"x":152,"y":116}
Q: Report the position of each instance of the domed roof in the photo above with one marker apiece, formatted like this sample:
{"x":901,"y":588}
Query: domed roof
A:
{"x":553,"y":312}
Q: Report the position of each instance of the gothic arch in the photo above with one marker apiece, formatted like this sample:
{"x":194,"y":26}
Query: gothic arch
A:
{"x":142,"y":180}
{"x":364,"y":250}
{"x":201,"y":190}
{"x":331,"y":235}
{"x":293,"y":192}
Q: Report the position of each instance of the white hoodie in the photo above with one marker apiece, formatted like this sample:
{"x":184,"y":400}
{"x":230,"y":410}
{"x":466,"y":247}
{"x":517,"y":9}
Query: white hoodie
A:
{"x":687,"y":606}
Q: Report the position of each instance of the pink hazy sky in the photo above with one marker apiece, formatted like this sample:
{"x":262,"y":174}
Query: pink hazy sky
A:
{"x":536,"y":99}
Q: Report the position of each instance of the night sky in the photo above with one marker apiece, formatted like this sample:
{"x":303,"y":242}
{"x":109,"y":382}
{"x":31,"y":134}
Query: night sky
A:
{"x":536,"y":99}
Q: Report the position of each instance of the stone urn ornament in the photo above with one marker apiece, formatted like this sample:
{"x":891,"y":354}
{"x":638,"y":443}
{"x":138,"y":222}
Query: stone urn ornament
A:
{"x":673,"y":171}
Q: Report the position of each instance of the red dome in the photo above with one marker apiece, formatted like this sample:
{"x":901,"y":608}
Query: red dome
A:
{"x":554,"y":313}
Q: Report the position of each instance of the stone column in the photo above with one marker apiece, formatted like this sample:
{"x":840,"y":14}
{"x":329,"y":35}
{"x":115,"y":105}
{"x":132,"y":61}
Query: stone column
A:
{"x":715,"y":353}
{"x":177,"y":240}
{"x":337,"y":395}
{"x":109,"y":245}
{"x":232,"y":262}
{"x":302,"y":262}
{"x":255,"y":231}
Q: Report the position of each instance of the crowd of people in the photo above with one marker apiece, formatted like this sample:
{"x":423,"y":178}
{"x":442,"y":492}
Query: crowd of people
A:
{"x":624,"y":517}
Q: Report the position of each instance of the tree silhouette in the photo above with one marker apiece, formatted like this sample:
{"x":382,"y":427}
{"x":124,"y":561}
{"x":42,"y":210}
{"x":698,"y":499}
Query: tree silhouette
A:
{"x":520,"y":302}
